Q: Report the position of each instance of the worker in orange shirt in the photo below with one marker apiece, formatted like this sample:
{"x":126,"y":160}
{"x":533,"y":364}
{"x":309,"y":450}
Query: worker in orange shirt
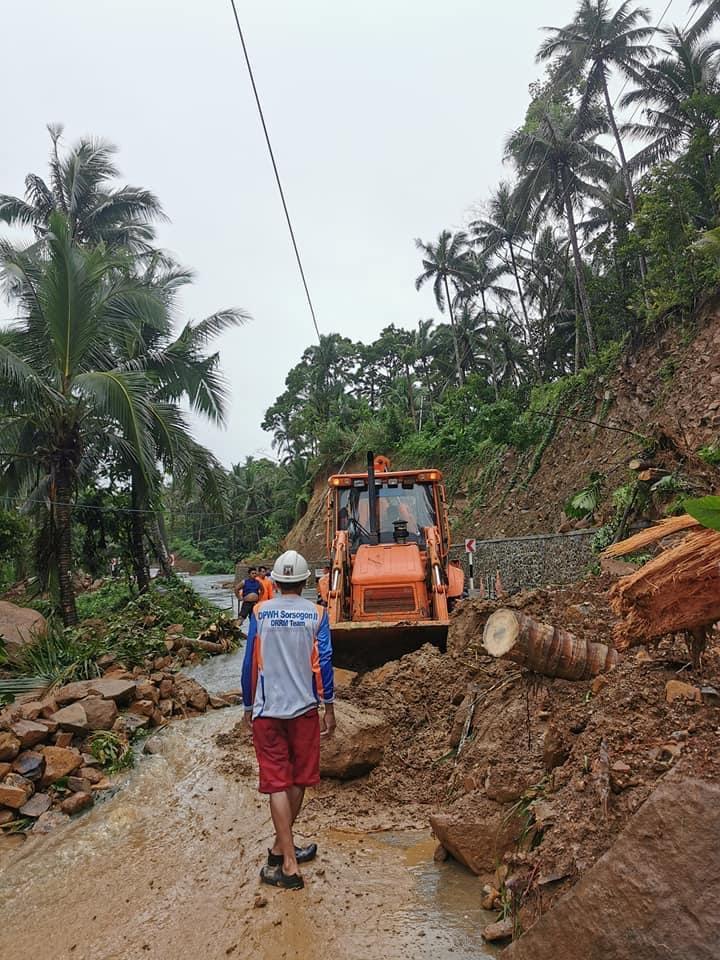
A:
{"x":266,"y":584}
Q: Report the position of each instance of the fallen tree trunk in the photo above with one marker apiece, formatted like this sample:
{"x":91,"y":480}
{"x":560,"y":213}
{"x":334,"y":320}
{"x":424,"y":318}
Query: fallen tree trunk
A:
{"x":551,"y":651}
{"x":679,"y":590}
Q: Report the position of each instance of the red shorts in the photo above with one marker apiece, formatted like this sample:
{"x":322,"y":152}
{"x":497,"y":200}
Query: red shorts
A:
{"x":288,"y":751}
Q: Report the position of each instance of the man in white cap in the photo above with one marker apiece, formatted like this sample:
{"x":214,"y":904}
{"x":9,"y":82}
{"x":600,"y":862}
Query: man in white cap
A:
{"x":287,"y":673}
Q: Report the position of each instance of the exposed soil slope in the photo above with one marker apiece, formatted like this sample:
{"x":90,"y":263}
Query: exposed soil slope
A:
{"x":668,"y":391}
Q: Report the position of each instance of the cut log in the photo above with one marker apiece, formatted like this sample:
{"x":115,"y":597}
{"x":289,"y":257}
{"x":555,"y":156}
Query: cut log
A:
{"x":677,"y":590}
{"x":638,"y":465}
{"x":652,"y":475}
{"x":551,"y":651}
{"x":653,"y":534}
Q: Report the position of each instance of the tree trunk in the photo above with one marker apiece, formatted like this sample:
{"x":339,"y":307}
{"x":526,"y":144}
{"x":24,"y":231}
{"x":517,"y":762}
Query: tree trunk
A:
{"x":577,"y":257}
{"x":621,"y":150}
{"x":576,"y":364}
{"x":411,"y":398}
{"x":550,"y":651}
{"x":137,"y":536}
{"x":63,"y":544}
{"x":519,"y":288}
{"x":161,"y":548}
{"x":460,"y":371}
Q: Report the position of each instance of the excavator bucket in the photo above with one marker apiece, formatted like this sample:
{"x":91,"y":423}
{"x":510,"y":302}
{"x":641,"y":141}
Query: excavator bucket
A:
{"x":365,"y":645}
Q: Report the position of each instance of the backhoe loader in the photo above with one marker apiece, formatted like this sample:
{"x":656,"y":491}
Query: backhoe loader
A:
{"x":392,"y":584}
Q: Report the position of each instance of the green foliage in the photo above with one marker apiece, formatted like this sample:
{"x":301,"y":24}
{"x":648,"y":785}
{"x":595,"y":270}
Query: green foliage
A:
{"x":706,"y":511}
{"x":586,"y":501}
{"x":112,"y":752}
{"x":111,"y":597}
{"x":710,"y":453}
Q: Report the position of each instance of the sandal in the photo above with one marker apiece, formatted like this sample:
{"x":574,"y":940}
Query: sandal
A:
{"x":302,"y":855}
{"x":276,"y":878}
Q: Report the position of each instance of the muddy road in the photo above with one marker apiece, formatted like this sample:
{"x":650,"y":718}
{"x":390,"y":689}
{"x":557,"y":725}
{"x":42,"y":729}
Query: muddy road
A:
{"x":168,"y":866}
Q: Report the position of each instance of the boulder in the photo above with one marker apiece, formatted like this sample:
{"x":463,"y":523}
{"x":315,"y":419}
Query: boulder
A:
{"x":91,"y":774}
{"x":36,"y":805}
{"x":128,"y":723}
{"x":652,"y":895}
{"x":71,"y":692}
{"x":189,"y":693}
{"x":5,"y":768}
{"x":166,"y":688}
{"x":59,"y":762}
{"x":142,"y":708}
{"x":72,"y":718}
{"x":63,"y":739}
{"x":506,"y":784}
{"x":76,"y":802}
{"x":15,"y":791}
{"x":101,"y":714}
{"x":6,"y":816}
{"x":109,"y":688}
{"x":29,"y":733}
{"x":79,"y":785}
{"x":19,"y":626}
{"x":477,"y":841}
{"x":357,"y":745}
{"x":29,"y":764}
{"x":9,"y":745}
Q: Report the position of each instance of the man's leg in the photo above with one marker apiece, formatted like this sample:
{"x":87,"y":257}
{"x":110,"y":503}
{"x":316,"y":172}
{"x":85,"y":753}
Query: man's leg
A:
{"x":295,"y":795}
{"x":281,"y":811}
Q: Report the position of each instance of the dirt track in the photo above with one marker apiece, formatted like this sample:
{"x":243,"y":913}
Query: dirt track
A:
{"x":167,"y":868}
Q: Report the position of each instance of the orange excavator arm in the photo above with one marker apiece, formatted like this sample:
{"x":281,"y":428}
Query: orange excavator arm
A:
{"x":439,"y":591}
{"x":340,"y":563}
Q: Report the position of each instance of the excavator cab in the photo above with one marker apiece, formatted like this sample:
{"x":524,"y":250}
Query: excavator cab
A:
{"x":391,"y":582}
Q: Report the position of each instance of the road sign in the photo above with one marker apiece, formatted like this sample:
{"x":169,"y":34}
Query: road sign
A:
{"x":470,"y":546}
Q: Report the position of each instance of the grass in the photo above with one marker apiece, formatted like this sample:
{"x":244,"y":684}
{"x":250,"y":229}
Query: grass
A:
{"x":112,"y":752}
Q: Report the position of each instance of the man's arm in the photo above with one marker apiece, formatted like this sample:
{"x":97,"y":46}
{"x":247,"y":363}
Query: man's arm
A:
{"x":248,"y":668}
{"x":327,"y":679}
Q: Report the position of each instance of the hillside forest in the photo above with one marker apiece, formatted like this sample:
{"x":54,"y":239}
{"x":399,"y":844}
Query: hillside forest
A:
{"x":604,"y":233}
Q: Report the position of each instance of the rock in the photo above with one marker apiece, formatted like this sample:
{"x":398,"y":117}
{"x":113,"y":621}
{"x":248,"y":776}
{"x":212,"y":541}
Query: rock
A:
{"x":357,"y":745}
{"x":5,"y":768}
{"x":90,"y":774}
{"x":490,"y":895}
{"x":166,"y":708}
{"x":166,"y":688}
{"x":109,"y":688}
{"x":15,"y":791}
{"x":146,"y":690}
{"x":76,"y":802}
{"x":19,"y":626}
{"x":129,"y":723}
{"x":101,"y":714}
{"x":72,"y":718}
{"x":49,"y":821}
{"x":664,"y":863}
{"x":677,"y":690}
{"x":190,"y":693}
{"x":598,"y":683}
{"x":29,"y":733}
{"x":36,"y":805}
{"x":59,"y":762}
{"x":50,"y":725}
{"x":142,"y":708}
{"x":217,"y":703}
{"x":9,"y":745}
{"x":6,"y":816}
{"x":440,"y":855}
{"x":78,"y":785}
{"x":478,"y":842}
{"x":711,"y":696}
{"x":153,"y":745}
{"x":260,"y":901}
{"x":34,"y":709}
{"x":63,"y":739}
{"x":615,"y":567}
{"x":175,"y":630}
{"x":103,"y":784}
{"x":29,"y":764}
{"x":501,"y":930}
{"x":505,"y":785}
{"x":555,"y":749}
{"x":545,"y":813}
{"x":71,"y":692}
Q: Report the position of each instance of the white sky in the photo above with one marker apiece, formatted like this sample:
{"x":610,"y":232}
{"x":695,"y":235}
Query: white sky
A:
{"x":387,"y":119}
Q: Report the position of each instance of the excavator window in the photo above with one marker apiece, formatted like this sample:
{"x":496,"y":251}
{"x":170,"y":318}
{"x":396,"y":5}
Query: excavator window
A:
{"x":412,"y":504}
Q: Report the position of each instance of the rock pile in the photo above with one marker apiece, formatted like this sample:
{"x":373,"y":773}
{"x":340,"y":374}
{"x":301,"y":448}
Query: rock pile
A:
{"x":47,"y":769}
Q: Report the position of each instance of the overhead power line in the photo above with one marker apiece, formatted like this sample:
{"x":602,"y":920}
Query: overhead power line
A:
{"x":275,"y":168}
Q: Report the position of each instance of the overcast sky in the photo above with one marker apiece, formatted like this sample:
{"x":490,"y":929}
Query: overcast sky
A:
{"x":387,"y":119}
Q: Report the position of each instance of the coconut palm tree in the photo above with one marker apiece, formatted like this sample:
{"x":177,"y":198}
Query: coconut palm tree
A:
{"x":504,"y":226}
{"x":79,"y":188}
{"x":591,"y":46}
{"x":708,"y":17}
{"x":679,"y":96}
{"x":560,"y":164}
{"x":443,"y":263}
{"x":62,"y":385}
